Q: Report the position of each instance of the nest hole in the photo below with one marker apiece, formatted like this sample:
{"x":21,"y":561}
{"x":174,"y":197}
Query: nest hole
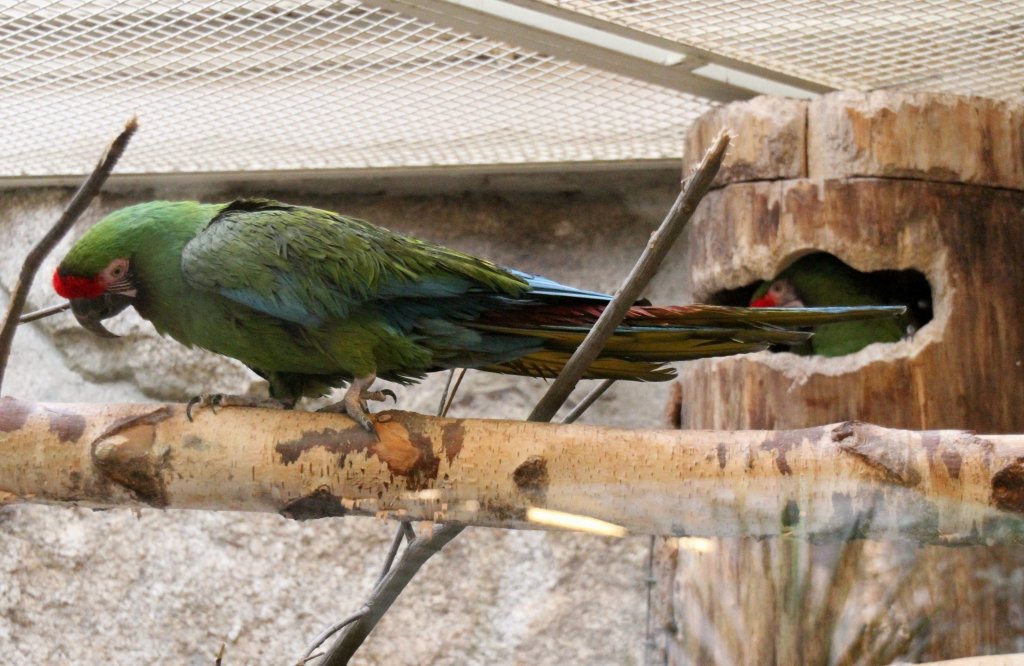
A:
{"x":822,"y":279}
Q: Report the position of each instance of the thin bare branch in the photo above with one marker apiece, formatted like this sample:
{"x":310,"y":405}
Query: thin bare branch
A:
{"x":650,"y":581}
{"x":589,"y":400}
{"x":327,"y":633}
{"x":43,"y":313}
{"x":83,"y":197}
{"x":654,"y":254}
{"x":414,"y":557}
{"x":455,"y":390}
{"x":396,"y":543}
{"x":444,"y":393}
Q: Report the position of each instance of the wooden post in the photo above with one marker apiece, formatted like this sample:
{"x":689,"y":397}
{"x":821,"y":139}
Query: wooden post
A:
{"x":882,"y":181}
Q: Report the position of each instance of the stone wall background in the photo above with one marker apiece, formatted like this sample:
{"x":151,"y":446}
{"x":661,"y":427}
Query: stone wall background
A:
{"x":168,"y":587}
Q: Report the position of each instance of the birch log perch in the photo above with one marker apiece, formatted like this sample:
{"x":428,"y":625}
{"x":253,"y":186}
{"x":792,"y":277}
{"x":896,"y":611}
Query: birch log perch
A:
{"x":937,"y":486}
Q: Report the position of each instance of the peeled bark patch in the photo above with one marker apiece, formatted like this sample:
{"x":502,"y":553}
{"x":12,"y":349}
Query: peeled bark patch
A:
{"x":69,"y":427}
{"x":1008,"y":487}
{"x":14,"y":413}
{"x":406,"y":454}
{"x":452,"y":440}
{"x":531,"y":477}
{"x":328,"y":439}
{"x":318,"y":504}
{"x":892,"y":463}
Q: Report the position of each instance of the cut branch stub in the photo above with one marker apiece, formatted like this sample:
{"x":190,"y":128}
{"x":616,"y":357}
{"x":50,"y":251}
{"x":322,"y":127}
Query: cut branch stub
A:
{"x":128,"y":454}
{"x":936,"y":486}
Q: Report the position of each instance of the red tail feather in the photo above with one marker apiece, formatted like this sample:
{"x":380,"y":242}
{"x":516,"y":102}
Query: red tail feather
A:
{"x":585,"y":314}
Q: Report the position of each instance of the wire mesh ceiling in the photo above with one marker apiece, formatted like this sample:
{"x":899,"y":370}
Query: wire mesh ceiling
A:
{"x":973,"y":47}
{"x":259,"y":85}
{"x":239,"y":86}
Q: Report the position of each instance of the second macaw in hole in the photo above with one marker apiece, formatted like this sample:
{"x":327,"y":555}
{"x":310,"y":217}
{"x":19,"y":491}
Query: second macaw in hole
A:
{"x":821,"y":279}
{"x":311,"y":299}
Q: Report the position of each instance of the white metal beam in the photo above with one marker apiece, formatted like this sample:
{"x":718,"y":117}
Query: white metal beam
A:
{"x":702,"y":62}
{"x":548,"y":29}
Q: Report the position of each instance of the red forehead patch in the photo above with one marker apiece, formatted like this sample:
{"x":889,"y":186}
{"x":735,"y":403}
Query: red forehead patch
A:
{"x":72,"y":286}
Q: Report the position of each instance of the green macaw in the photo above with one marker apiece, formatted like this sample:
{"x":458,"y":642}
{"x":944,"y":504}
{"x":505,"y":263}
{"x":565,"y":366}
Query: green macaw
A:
{"x":311,"y":299}
{"x":820,"y":280}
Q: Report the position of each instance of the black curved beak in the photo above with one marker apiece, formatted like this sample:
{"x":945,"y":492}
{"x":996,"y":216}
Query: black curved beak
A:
{"x":91,"y":311}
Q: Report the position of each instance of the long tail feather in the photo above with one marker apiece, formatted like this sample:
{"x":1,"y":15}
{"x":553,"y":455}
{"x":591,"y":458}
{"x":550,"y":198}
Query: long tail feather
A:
{"x":650,"y":336}
{"x":691,"y":315}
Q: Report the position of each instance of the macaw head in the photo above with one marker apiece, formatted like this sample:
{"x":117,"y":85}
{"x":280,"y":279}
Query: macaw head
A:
{"x":96,"y":275}
{"x":778,"y":294}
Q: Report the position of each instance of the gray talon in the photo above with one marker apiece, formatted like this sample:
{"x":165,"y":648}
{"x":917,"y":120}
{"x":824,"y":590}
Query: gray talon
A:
{"x":193,"y":401}
{"x":363,"y":420}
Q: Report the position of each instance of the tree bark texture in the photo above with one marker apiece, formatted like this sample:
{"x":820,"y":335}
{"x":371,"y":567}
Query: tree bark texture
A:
{"x":958,"y":371}
{"x":942,"y":486}
{"x":883,"y":181}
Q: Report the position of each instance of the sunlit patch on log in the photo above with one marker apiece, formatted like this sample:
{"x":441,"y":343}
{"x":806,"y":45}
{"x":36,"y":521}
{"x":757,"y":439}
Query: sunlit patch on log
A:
{"x":571,"y":521}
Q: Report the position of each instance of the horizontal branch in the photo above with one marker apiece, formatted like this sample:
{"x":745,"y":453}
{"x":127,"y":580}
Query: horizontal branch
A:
{"x":934,"y":486}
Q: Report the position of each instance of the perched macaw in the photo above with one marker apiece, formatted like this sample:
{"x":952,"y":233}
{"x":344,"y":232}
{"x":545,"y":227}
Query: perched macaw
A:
{"x":310,"y":300}
{"x":820,"y":280}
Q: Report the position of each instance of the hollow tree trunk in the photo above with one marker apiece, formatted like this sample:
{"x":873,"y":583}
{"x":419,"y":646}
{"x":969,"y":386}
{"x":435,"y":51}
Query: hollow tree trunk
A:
{"x":882,"y":181}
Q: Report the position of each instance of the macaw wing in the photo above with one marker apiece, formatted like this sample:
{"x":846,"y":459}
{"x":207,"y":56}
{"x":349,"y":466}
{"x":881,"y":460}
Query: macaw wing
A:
{"x":306,"y":265}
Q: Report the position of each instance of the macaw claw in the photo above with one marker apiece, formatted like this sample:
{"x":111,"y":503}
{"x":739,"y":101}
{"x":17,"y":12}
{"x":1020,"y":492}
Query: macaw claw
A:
{"x":356,"y":397}
{"x":215,"y":400}
{"x":203,"y":400}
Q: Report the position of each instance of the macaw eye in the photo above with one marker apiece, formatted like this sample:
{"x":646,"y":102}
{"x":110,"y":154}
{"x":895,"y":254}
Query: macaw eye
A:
{"x":117,"y":270}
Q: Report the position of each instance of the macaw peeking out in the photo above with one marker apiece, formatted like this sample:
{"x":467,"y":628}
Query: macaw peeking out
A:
{"x":311,"y":299}
{"x":821,"y":280}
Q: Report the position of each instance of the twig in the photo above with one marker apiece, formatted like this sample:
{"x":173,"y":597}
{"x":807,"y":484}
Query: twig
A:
{"x":590,"y":399}
{"x":657,"y":248}
{"x":404,"y":531}
{"x":451,"y":397}
{"x":414,"y":557}
{"x":396,"y":543}
{"x":327,"y":633}
{"x":444,"y":393}
{"x":422,"y":548}
{"x":83,"y":197}
{"x":650,"y":581}
{"x":44,"y":312}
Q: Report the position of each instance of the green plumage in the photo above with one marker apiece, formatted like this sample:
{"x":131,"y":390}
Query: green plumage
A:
{"x":822,"y":280}
{"x":311,"y":299}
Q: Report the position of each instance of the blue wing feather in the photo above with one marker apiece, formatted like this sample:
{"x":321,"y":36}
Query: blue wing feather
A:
{"x":542,"y":286}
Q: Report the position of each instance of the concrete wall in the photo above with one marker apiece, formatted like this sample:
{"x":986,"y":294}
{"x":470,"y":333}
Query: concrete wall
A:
{"x":167,"y":587}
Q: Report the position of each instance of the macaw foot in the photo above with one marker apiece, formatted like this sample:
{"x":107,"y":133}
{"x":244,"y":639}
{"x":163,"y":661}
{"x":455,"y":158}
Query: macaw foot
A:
{"x":215,"y":400}
{"x":354,"y":402}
